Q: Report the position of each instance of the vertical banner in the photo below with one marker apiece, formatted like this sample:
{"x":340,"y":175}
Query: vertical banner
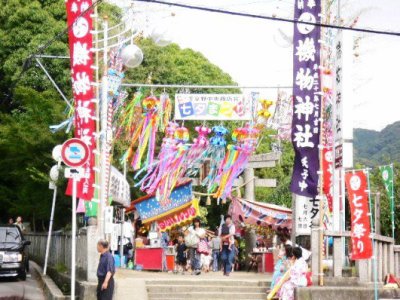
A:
{"x":306,"y":98}
{"x":356,"y":184}
{"x":80,"y":43}
{"x":387,"y":176}
{"x":327,"y":171}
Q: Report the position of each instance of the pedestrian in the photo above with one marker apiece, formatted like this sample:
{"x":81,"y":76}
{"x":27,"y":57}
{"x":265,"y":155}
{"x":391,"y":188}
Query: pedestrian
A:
{"x":297,"y":277}
{"x":20,"y":224}
{"x":105,"y":272}
{"x":10,"y":221}
{"x":215,"y":245}
{"x":228,"y":245}
{"x":196,"y":233}
{"x":181,"y":254}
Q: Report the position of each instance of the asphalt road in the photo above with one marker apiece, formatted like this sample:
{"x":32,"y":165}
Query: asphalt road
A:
{"x":15,"y":289}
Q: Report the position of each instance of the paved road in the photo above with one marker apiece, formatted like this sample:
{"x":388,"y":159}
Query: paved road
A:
{"x":27,"y":290}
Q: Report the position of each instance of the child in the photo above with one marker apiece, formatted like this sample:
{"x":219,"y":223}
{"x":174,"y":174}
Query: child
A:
{"x":181,"y":254}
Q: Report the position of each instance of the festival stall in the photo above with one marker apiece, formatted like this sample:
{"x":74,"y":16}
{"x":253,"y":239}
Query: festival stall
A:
{"x":263,"y":218}
{"x":159,"y":216}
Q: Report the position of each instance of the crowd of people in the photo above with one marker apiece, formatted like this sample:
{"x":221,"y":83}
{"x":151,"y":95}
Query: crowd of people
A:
{"x":199,"y":251}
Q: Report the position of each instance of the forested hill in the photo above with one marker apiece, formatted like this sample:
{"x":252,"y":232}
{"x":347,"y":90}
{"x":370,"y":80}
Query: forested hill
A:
{"x":372,"y":148}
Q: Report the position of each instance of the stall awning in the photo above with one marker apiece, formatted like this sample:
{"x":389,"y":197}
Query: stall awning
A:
{"x":151,"y":208}
{"x":258,"y":213}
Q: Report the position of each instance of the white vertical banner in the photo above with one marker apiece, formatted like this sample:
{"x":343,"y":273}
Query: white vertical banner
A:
{"x":108,"y":219}
{"x":307,"y":209}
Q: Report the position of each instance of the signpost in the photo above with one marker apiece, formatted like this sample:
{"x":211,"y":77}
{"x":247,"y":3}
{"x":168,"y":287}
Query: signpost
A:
{"x":74,"y":153}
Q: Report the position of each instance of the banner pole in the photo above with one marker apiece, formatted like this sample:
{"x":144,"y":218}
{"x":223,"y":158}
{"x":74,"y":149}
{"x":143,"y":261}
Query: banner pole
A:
{"x":392,"y":200}
{"x":375,"y":266}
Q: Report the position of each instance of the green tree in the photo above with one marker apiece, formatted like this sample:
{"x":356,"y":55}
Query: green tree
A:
{"x":29,"y":103}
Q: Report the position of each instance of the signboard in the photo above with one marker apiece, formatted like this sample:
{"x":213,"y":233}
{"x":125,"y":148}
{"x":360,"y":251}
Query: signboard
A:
{"x":119,"y":189}
{"x":108,"y":219}
{"x":256,"y":213}
{"x":181,"y":216}
{"x":356,"y":183}
{"x":74,"y":153}
{"x":212,"y":107}
{"x":307,"y":209}
{"x":150,"y":208}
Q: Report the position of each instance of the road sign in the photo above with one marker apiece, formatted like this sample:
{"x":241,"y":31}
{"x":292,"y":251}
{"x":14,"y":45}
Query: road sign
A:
{"x":74,"y":152}
{"x":74,"y":173}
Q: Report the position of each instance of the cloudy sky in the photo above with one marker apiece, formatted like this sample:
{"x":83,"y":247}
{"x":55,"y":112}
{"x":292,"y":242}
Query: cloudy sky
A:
{"x":255,"y":53}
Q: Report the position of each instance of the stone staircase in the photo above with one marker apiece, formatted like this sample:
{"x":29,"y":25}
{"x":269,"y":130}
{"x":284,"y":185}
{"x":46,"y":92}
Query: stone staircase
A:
{"x":212,"y":289}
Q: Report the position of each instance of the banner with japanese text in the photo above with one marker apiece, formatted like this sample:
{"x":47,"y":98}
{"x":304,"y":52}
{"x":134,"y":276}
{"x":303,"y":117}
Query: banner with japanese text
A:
{"x":80,"y":42}
{"x":356,"y":184}
{"x":306,"y":98}
{"x":212,"y":107}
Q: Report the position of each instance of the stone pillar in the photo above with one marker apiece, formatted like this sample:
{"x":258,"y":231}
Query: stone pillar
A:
{"x":92,"y":254}
{"x":385,"y":257}
{"x":363,"y":270}
{"x":337,"y":257}
{"x":379,"y":257}
{"x":249,"y":187}
{"x":315,"y":247}
{"x":391,"y":259}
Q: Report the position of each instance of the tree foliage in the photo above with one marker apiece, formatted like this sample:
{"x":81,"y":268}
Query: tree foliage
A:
{"x":29,"y":103}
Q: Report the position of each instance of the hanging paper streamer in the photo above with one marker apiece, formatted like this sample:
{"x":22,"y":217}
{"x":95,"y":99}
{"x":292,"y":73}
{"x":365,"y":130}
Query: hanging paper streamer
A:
{"x":145,"y":134}
{"x":215,"y":151}
{"x":236,"y":159}
{"x":197,"y":153}
{"x":165,"y":111}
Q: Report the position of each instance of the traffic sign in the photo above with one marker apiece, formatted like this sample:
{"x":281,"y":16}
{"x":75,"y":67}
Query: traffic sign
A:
{"x":76,"y":173}
{"x":74,"y":152}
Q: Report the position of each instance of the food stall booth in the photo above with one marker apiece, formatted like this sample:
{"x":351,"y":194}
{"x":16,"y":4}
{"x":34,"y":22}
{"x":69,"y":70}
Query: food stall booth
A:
{"x":159,"y":216}
{"x":260,"y":216}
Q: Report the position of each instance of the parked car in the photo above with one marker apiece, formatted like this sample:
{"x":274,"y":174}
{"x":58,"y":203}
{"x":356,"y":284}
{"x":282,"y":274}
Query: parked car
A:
{"x":14,"y":260}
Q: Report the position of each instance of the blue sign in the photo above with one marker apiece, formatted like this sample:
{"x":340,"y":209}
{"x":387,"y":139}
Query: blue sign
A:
{"x":150,"y":207}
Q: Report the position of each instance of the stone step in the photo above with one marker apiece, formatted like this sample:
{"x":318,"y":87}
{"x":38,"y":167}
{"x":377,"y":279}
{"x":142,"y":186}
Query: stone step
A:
{"x":196,"y":281}
{"x":166,"y":288}
{"x":208,"y":295}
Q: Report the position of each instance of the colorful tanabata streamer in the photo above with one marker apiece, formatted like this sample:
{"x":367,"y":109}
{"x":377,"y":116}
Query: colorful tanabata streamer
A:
{"x":216,"y":152}
{"x":236,"y":159}
{"x":197,"y":152}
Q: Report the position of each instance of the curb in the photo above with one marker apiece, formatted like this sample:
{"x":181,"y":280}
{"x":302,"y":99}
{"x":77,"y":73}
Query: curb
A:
{"x":50,"y":289}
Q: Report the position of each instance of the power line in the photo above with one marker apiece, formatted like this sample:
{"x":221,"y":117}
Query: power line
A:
{"x":293,"y":21}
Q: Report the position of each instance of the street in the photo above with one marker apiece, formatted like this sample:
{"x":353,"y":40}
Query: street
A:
{"x":29,"y":289}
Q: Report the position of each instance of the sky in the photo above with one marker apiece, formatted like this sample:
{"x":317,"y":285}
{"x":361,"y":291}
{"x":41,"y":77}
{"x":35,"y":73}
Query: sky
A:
{"x":255,"y":53}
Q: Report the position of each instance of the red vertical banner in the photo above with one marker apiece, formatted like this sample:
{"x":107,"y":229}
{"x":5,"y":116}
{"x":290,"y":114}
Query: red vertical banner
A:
{"x":327,"y":169}
{"x":80,"y":44}
{"x":356,"y":184}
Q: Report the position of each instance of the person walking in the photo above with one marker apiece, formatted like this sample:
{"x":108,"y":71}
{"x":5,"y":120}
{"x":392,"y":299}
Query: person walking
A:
{"x":105,"y":272}
{"x":227,"y":245}
{"x":215,"y":245}
{"x":196,"y":233}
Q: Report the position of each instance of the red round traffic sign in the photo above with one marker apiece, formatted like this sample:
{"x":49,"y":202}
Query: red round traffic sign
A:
{"x":74,"y":152}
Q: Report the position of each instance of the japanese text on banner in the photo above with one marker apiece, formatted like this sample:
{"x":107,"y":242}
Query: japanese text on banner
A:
{"x":80,"y":43}
{"x":356,"y":183}
{"x":306,"y":99}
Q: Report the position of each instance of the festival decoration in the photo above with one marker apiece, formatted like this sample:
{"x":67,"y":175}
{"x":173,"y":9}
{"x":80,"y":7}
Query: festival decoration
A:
{"x":306,"y":101}
{"x":263,"y":114}
{"x":236,"y":159}
{"x":132,"y":56}
{"x":80,"y":44}
{"x":356,"y":183}
{"x":145,"y":134}
{"x":197,"y":152}
{"x":216,"y":151}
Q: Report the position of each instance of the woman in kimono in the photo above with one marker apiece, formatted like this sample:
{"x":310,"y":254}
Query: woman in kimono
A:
{"x":282,"y":264}
{"x":297,"y":276}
